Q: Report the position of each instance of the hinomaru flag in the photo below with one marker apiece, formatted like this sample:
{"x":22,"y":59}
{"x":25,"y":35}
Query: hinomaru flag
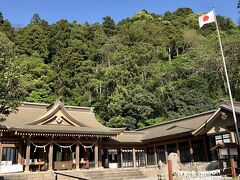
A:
{"x":206,"y":18}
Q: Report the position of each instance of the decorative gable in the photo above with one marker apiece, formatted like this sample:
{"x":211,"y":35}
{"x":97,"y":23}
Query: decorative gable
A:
{"x":58,"y":120}
{"x":57,"y":115}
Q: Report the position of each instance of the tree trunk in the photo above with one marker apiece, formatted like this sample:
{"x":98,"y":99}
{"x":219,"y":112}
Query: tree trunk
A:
{"x":144,"y":74}
{"x":96,"y":69}
{"x":169,"y":54}
{"x":90,"y":98}
{"x":100,"y":90}
{"x":177,"y":52}
{"x":109,"y":63}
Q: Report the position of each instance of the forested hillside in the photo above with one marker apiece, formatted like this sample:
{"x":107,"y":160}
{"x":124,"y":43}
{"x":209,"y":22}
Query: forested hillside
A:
{"x":143,"y":70}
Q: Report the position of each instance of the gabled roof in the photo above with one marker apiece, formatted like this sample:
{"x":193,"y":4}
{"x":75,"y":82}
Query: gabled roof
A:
{"x":183,"y":126}
{"x":227,"y":106}
{"x":207,"y":122}
{"x":224,"y":106}
{"x":128,"y":137}
{"x":36,"y":118}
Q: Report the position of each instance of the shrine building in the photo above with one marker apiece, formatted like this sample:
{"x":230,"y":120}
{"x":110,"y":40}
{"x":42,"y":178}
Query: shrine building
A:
{"x":46,"y":137}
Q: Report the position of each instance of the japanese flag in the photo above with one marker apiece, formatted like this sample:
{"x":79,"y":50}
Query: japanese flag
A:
{"x":206,"y":18}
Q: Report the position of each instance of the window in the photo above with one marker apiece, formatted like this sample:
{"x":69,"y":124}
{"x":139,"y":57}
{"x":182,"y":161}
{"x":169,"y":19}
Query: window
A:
{"x":222,"y":138}
{"x":198,"y":151}
{"x":150,"y":156}
{"x":127,"y":158}
{"x":184,"y":152}
{"x":10,"y":155}
{"x":59,"y":156}
{"x":171,"y":148}
{"x":161,"y":154}
{"x":113,"y":155}
{"x":140,"y":157}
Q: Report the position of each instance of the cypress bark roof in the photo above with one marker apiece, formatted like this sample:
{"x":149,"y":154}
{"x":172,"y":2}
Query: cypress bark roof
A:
{"x":56,"y":118}
{"x":183,"y":126}
{"x":167,"y":130}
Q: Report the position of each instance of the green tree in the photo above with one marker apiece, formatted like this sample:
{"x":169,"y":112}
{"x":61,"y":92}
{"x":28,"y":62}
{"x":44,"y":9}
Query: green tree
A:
{"x":57,"y":38}
{"x":131,"y":107}
{"x":109,"y":26}
{"x":11,"y":92}
{"x":32,"y":41}
{"x":7,"y":29}
{"x":142,"y":15}
{"x":1,"y":18}
{"x":231,"y":44}
{"x":183,"y":11}
{"x":36,"y":19}
{"x":36,"y":77}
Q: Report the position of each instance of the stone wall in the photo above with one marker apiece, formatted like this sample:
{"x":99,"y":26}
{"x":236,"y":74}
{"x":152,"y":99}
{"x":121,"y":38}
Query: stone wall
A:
{"x":200,"y":166}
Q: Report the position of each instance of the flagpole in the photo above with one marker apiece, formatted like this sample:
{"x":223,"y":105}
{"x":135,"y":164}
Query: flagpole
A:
{"x":227,"y":79}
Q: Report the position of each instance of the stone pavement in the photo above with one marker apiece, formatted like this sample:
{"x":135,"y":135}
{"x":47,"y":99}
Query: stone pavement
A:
{"x":149,"y":178}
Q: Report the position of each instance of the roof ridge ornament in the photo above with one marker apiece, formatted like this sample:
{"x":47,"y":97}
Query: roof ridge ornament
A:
{"x":59,"y":101}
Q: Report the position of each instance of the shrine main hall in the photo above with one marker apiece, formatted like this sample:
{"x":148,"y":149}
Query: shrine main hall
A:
{"x":46,"y":137}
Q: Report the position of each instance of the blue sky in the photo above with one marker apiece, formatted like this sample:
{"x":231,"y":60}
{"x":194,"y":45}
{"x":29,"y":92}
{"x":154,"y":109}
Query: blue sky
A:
{"x":19,"y":12}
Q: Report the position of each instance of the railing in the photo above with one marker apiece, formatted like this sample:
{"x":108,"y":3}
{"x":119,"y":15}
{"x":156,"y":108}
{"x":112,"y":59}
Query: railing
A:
{"x":67,"y":175}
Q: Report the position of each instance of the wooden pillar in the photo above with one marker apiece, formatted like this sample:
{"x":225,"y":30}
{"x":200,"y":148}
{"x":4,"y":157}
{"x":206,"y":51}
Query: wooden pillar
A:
{"x":205,"y":148}
{"x":106,"y":161}
{"x":27,"y":156}
{"x":134,"y":157}
{"x":166,"y":153}
{"x":100,"y":154}
{"x":1,"y":150}
{"x":20,"y":158}
{"x":96,"y":155}
{"x":77,"y":156}
{"x":145,"y":150}
{"x":191,"y":150}
{"x":155,"y":154}
{"x":177,"y":147}
{"x":121,"y":157}
{"x":50,"y":157}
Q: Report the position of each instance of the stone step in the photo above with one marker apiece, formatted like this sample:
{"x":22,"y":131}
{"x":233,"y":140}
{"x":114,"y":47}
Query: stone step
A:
{"x":110,"y":170}
{"x":113,"y":172}
{"x":100,"y":174}
{"x":134,"y":172}
{"x":118,"y":174}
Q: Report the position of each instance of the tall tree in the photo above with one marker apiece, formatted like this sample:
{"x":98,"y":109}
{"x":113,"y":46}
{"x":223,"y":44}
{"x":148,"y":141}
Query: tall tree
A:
{"x":109,"y":26}
{"x":1,"y":18}
{"x":7,"y":29}
{"x":36,"y":19}
{"x":36,"y":77}
{"x":57,"y":38}
{"x":32,"y":41}
{"x":11,"y":91}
